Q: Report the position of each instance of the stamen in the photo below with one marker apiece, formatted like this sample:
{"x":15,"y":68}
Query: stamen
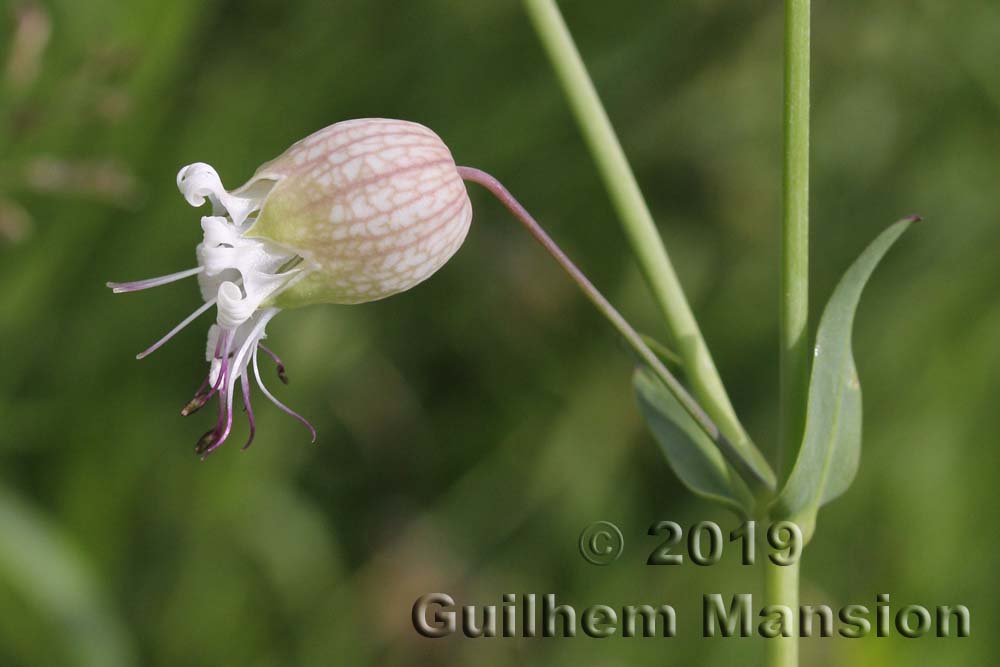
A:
{"x":224,"y":340}
{"x":190,"y":318}
{"x":234,"y":367}
{"x":204,"y":444}
{"x":238,"y":366}
{"x":220,"y":437}
{"x":281,"y":406}
{"x":281,"y":366}
{"x":219,"y":342}
{"x":214,"y":438}
{"x":137,"y":285}
{"x":245,"y":386}
{"x":199,"y":400}
{"x":195,"y":404}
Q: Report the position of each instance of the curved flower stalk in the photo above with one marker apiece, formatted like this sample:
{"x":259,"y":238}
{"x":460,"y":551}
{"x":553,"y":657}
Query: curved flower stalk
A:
{"x":358,"y":211}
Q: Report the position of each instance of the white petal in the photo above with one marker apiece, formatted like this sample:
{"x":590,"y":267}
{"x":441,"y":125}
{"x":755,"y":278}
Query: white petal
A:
{"x":219,"y":230}
{"x":199,"y":181}
{"x":234,"y":310}
{"x":213,"y":342}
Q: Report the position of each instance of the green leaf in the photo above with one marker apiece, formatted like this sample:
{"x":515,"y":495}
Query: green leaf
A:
{"x":831,"y":446}
{"x":691,"y":454}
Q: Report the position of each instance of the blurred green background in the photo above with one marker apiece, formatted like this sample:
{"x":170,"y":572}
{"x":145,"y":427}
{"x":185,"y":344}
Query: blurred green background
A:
{"x":470,"y":428}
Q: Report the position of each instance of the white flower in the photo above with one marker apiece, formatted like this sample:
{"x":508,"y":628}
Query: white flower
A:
{"x":358,"y":211}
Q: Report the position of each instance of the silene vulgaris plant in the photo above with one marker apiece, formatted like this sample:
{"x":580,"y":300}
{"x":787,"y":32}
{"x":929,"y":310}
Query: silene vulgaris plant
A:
{"x":365,"y":209}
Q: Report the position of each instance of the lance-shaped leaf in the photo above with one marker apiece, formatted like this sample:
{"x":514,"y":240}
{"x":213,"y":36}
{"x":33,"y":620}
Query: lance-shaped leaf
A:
{"x":831,"y":447}
{"x":691,"y":454}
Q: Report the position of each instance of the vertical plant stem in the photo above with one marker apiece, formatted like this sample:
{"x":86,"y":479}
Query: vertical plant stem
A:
{"x":635,"y":217}
{"x":781,"y":583}
{"x":781,"y":586}
{"x":794,"y":363}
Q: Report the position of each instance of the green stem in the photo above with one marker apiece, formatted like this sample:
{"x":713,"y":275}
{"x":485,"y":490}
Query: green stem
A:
{"x":639,"y":226}
{"x":794,"y":360}
{"x":781,"y":586}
